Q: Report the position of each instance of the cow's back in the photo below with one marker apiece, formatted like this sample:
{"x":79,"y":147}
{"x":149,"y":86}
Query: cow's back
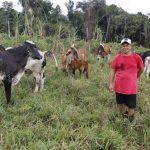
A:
{"x":9,"y":63}
{"x":107,"y":49}
{"x":83,"y":54}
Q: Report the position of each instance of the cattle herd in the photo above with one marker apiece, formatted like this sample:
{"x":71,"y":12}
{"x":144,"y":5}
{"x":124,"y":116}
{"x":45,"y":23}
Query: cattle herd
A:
{"x":14,"y":62}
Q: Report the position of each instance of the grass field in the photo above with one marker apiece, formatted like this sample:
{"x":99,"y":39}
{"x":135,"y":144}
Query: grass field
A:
{"x":73,"y":113}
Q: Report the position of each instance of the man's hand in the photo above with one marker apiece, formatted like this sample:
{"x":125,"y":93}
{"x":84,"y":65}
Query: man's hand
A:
{"x":111,"y":87}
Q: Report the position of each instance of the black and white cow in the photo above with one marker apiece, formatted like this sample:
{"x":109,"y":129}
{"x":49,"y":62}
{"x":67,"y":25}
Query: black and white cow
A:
{"x":37,"y":67}
{"x":12,"y":65}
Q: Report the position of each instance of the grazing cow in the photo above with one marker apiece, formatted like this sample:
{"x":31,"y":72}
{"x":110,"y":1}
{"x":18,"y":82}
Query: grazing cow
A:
{"x":144,"y":55}
{"x":38,"y":68}
{"x":74,"y":59}
{"x":147,"y":66}
{"x":103,"y":51}
{"x":12,"y":65}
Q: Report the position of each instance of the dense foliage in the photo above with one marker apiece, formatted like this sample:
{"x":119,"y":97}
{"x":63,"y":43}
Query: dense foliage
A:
{"x":91,"y":19}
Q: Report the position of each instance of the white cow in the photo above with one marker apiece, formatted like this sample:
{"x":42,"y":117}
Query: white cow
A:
{"x":147,"y":66}
{"x":38,"y":68}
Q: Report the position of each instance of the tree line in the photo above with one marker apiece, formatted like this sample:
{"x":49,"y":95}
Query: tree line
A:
{"x":91,"y":19}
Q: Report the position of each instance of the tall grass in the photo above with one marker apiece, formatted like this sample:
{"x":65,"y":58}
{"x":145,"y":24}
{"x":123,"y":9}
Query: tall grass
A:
{"x":72,"y":113}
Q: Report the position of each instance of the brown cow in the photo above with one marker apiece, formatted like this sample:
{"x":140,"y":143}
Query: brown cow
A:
{"x":103,"y":51}
{"x":74,"y":59}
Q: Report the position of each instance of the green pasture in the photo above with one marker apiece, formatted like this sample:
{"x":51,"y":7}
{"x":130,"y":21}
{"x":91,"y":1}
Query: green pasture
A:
{"x":71,"y":113}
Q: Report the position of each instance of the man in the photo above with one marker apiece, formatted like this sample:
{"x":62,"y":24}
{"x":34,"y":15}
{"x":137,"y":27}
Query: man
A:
{"x":125,"y":70}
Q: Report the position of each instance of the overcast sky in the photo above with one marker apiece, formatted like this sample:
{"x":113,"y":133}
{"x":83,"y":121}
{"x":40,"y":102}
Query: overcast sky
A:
{"x":131,"y":6}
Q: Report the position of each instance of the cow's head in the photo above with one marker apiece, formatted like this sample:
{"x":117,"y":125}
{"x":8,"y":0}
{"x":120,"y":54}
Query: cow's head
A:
{"x":100,"y":51}
{"x":103,"y":51}
{"x":72,"y":53}
{"x":32,"y":50}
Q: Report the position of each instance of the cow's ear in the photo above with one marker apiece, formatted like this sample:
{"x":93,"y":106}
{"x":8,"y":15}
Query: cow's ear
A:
{"x":72,"y":46}
{"x":68,"y":52}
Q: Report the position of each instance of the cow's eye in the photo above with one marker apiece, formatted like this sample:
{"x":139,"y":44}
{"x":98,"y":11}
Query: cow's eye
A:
{"x":28,"y":50}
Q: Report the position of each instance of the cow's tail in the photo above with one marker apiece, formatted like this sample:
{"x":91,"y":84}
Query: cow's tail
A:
{"x":56,"y":62}
{"x":51,"y":54}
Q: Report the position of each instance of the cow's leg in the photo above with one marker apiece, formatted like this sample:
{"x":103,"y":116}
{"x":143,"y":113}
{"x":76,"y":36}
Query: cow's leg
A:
{"x":73,"y":72}
{"x":42,"y":80}
{"x":66,"y":70}
{"x":147,"y":73}
{"x":86,"y":70}
{"x":145,"y":69}
{"x":86,"y":73}
{"x":17,"y":78}
{"x":7,"y":85}
{"x":70,"y":72}
{"x":80,"y":72}
{"x":98,"y":57}
{"x":37,"y":81}
{"x":108,"y":57}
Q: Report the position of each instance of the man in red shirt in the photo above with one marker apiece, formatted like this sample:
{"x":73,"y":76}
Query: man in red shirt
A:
{"x":126,"y":68}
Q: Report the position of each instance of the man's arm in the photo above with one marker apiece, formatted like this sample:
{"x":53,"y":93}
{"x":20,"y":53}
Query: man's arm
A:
{"x":139,"y":72}
{"x":111,"y":79}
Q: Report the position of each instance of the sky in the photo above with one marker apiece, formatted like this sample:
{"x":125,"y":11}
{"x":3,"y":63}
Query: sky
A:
{"x":131,"y":6}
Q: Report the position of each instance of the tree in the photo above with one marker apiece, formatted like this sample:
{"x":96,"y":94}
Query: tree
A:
{"x":56,"y":14}
{"x":70,"y":6}
{"x":34,"y":10}
{"x":8,"y":18}
{"x":93,"y":11}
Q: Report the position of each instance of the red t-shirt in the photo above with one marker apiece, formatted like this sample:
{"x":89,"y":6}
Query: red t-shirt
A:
{"x":126,"y":73}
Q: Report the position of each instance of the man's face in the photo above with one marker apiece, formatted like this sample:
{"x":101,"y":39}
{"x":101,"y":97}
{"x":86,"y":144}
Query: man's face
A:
{"x":126,"y":48}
